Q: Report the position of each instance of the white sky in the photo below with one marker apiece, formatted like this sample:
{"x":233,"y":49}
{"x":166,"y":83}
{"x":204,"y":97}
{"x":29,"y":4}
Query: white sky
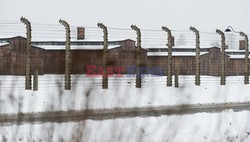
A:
{"x":206,"y":15}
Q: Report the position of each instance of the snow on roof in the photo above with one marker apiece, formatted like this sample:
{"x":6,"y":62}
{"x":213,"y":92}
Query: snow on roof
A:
{"x":189,"y":46}
{"x":11,"y":36}
{"x":180,"y":47}
{"x":234,"y":50}
{"x":237,"y":56}
{"x":62,"y":39}
{"x":76,"y":47}
{"x":174,"y":53}
{"x":2,"y":44}
{"x":75,"y":40}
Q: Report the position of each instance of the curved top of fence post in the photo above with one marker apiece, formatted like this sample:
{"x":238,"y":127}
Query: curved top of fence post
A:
{"x":65,"y":24}
{"x":164,"y":28}
{"x":193,"y":29}
{"x":135,"y":28}
{"x":25,"y":21}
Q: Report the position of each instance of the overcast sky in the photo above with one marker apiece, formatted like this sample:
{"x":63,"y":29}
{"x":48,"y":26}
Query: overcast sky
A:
{"x":206,"y":15}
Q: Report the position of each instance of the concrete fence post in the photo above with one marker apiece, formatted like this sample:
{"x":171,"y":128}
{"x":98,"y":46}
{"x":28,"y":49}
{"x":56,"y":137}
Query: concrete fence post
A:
{"x":138,"y":56}
{"x":67,"y":56}
{"x":176,"y":79}
{"x":27,"y":54}
{"x":35,"y":80}
{"x":223,"y":68}
{"x":169,"y":74}
{"x":105,"y":56}
{"x":197,"y":55}
{"x":246,"y":66}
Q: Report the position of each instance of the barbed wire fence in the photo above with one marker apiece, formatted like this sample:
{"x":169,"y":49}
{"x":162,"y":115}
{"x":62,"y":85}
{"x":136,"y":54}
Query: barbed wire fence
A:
{"x":82,"y":131}
{"x":151,"y":38}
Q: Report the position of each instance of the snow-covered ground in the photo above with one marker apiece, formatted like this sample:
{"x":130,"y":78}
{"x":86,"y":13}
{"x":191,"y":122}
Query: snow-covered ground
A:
{"x":202,"y":127}
{"x":87,"y":93}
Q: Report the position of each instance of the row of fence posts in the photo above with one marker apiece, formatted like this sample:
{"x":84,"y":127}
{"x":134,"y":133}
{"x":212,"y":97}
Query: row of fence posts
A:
{"x":67,"y":81}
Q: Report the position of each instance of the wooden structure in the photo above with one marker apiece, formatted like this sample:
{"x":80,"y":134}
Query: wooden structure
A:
{"x":52,"y":60}
{"x":12,"y":57}
{"x":210,"y":62}
{"x":120,"y":53}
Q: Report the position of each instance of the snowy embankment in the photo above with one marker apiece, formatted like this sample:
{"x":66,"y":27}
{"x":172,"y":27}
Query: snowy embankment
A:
{"x":87,"y":93}
{"x":201,"y":127}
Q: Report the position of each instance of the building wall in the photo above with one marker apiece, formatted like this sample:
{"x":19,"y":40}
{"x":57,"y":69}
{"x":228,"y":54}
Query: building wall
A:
{"x":54,"y":62}
{"x":117,"y":57}
{"x":82,"y":58}
{"x":38,"y":57}
{"x":12,"y":60}
{"x":5,"y":60}
{"x":236,"y":67}
{"x":125,"y":56}
{"x":183,"y":65}
{"x":211,"y":63}
{"x":126,"y":59}
{"x":158,"y":62}
{"x":12,"y":57}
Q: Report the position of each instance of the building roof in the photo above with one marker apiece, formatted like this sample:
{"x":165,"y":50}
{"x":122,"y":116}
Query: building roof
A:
{"x":76,"y":47}
{"x":238,"y":56}
{"x":234,"y":51}
{"x":53,"y":40}
{"x":187,"y":54}
{"x":95,"y":44}
{"x":3,"y":44}
{"x":75,"y":44}
{"x":177,"y":47}
{"x":11,"y":37}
